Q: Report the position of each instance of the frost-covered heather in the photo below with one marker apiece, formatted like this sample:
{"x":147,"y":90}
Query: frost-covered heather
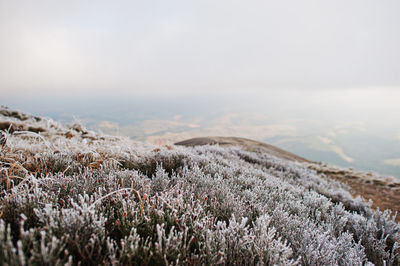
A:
{"x":70,"y":196}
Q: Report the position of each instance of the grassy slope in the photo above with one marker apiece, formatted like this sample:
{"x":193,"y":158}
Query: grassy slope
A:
{"x":69,"y":195}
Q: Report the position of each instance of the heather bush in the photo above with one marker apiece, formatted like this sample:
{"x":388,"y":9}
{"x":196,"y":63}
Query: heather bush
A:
{"x":106,"y":200}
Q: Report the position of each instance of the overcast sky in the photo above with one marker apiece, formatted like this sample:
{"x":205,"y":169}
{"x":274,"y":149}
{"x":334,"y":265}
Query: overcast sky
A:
{"x":176,"y":46}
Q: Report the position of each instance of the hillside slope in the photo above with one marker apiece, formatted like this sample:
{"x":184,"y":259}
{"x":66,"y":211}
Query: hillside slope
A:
{"x":69,"y":195}
{"x":383,"y":191}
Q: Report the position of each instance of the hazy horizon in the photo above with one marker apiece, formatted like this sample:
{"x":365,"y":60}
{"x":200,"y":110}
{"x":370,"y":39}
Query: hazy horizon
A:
{"x":325,"y":126}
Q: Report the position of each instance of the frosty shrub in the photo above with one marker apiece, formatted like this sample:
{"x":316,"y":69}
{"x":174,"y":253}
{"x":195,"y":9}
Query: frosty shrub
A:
{"x":71,"y":196}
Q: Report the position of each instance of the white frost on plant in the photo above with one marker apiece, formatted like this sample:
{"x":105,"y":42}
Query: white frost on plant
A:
{"x":100,"y":199}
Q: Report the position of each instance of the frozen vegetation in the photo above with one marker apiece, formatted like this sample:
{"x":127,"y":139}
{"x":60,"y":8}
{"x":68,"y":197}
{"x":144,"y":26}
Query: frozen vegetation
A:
{"x":71,"y":196}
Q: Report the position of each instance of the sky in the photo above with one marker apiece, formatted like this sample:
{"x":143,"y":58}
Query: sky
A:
{"x":89,"y":48}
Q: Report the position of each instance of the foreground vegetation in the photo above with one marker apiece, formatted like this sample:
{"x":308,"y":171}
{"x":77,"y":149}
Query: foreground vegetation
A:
{"x":72,"y":196}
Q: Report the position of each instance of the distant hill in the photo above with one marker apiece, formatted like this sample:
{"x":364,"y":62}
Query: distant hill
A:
{"x":247,"y":144}
{"x":73,"y":196}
